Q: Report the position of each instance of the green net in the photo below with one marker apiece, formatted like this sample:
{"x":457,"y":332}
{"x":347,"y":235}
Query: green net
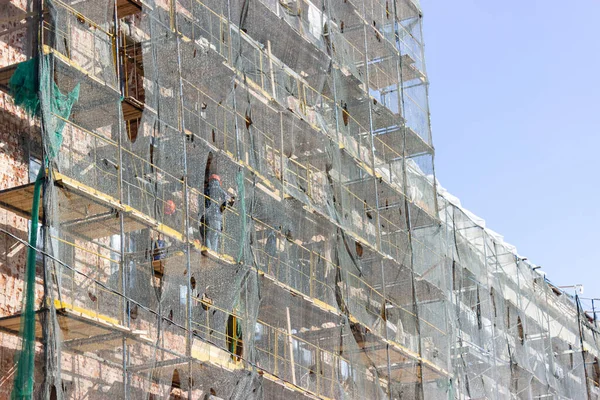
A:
{"x":337,"y":272}
{"x":25,"y":91}
{"x":23,"y":388}
{"x":23,"y":87}
{"x":60,"y":106}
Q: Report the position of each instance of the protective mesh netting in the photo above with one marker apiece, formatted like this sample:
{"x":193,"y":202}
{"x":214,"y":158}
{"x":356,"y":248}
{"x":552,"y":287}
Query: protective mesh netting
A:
{"x":243,"y":206}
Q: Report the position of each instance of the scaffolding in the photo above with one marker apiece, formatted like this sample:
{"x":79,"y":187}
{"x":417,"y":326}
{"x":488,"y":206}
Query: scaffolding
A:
{"x":241,"y":204}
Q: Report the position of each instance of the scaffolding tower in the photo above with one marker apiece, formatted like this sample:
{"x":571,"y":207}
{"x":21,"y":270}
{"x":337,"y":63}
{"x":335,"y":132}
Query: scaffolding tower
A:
{"x":238,"y":202}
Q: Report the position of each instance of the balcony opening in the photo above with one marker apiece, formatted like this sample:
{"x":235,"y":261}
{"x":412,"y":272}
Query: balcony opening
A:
{"x":234,"y":338}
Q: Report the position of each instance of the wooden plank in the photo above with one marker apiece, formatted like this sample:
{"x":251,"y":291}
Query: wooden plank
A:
{"x":159,"y":267}
{"x":73,"y":207}
{"x":19,"y":200}
{"x":293,"y":389}
{"x":72,"y":329}
{"x":82,"y":329}
{"x":95,"y":226}
{"x":11,"y":323}
{"x":132,"y":108}
{"x":84,"y":190}
{"x":128,"y":7}
{"x":72,"y":309}
{"x":217,"y":256}
{"x":5,"y":74}
{"x":96,"y":346}
{"x":17,"y":190}
{"x":170,"y":259}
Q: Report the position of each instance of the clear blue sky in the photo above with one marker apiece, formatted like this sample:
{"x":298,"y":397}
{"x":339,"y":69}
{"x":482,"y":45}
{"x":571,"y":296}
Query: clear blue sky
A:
{"x":515,"y":111}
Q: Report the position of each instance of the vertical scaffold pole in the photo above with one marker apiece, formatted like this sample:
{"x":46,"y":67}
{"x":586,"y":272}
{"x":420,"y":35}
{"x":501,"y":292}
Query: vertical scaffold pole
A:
{"x":186,"y":222}
{"x":48,"y":333}
{"x":125,"y":303}
{"x":402,"y":108}
{"x":291,"y":345}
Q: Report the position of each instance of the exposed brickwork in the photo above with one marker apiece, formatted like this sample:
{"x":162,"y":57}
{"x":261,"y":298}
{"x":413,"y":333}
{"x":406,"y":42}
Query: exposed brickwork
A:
{"x":17,"y":131}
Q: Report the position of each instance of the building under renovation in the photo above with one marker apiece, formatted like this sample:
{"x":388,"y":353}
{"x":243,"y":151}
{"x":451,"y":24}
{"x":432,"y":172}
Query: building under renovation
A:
{"x":236,"y":199}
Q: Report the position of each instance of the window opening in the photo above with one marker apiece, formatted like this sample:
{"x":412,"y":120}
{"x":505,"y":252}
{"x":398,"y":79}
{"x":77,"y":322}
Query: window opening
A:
{"x":34,"y":168}
{"x":234,"y":338}
{"x":520,"y":329}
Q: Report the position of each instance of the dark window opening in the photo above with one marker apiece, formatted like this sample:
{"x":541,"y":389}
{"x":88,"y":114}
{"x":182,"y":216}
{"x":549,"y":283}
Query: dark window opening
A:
{"x":134,"y":96}
{"x":132,"y":127}
{"x":208,"y":170}
{"x":359,"y":249}
{"x":478,"y":310}
{"x":454,"y":276}
{"x":65,"y":385}
{"x":520,"y":330}
{"x":571,"y":356}
{"x":493,"y":298}
{"x":234,"y":338}
{"x":175,"y":380}
{"x":175,"y":386}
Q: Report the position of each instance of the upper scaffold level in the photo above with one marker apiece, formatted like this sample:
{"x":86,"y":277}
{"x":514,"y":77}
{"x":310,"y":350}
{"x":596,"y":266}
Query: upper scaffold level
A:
{"x":82,"y":329}
{"x":84,"y":210}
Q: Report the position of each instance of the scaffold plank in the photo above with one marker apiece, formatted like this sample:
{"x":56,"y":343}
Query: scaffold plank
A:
{"x":19,"y":200}
{"x":5,"y":74}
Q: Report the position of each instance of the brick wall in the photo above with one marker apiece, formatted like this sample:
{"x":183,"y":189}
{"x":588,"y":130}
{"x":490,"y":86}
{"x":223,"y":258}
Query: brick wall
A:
{"x":17,"y":132}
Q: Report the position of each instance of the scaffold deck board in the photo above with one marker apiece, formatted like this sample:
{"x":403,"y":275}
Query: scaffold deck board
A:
{"x":384,"y":80}
{"x":210,"y":354}
{"x":292,"y":390}
{"x":133,"y":220}
{"x":128,"y":7}
{"x":397,"y":138}
{"x":19,"y":200}
{"x":96,"y":89}
{"x":371,"y":346}
{"x":348,"y":82}
{"x":172,"y":262}
{"x":216,"y":256}
{"x":101,"y":226}
{"x":88,"y":106}
{"x":5,"y":74}
{"x":412,"y":372}
{"x":275,"y":314}
{"x":207,"y":355}
{"x":85,"y":211}
{"x":163,"y":370}
{"x":263,"y":25}
{"x":75,"y":323}
{"x":381,"y":116}
{"x":132,"y":108}
{"x":82,"y":330}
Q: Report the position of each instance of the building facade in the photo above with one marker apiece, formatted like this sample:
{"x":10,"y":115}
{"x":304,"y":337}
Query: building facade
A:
{"x":236,"y":199}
